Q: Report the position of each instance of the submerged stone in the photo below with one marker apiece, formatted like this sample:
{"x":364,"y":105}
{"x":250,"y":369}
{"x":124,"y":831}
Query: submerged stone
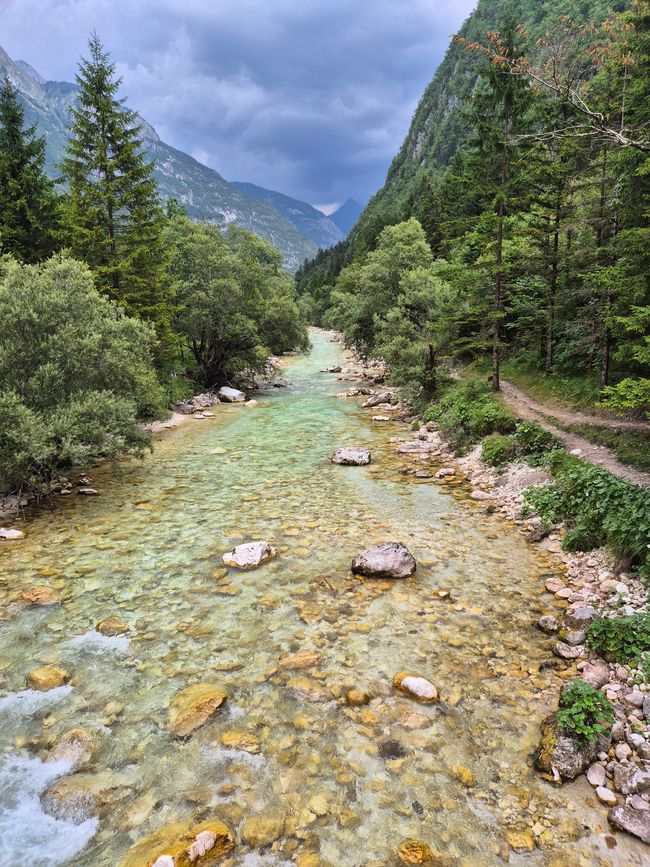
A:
{"x":193,"y":707}
{"x":388,"y":560}
{"x":414,"y":852}
{"x":249,"y":555}
{"x":183,"y":844}
{"x":41,"y":596}
{"x":416,"y":687}
{"x":75,"y":746}
{"x":47,"y":677}
{"x":354,"y":457}
{"x":112,"y":626}
{"x":11,"y":535}
{"x":77,"y":797}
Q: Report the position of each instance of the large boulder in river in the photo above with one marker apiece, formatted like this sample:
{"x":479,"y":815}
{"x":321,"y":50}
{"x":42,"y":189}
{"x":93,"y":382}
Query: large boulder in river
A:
{"x":388,"y":560}
{"x":249,"y":555}
{"x":193,"y":706}
{"x":561,"y":757}
{"x":183,"y":844}
{"x":353,"y":457}
{"x":231,"y":395}
{"x":11,"y":535}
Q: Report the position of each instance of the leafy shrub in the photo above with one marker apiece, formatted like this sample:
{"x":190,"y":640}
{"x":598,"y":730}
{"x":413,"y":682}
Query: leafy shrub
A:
{"x":76,"y":373}
{"x":623,"y":639}
{"x":584,"y":712}
{"x":597,"y":506}
{"x":467,"y":412}
{"x":497,"y":450}
{"x":533,"y":442}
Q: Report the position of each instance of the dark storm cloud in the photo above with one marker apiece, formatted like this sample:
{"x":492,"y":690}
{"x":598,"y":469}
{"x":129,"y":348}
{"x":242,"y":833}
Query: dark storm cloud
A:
{"x":312,"y":98}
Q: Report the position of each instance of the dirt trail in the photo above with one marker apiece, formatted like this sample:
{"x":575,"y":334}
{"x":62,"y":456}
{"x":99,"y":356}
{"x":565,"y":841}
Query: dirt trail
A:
{"x":600,"y":456}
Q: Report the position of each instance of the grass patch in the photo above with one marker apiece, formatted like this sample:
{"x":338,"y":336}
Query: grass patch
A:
{"x":552,"y":389}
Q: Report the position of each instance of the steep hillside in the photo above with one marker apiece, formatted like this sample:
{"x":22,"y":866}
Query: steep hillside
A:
{"x":200,"y":189}
{"x":307,"y":219}
{"x":438,"y":127}
{"x":347,"y":215}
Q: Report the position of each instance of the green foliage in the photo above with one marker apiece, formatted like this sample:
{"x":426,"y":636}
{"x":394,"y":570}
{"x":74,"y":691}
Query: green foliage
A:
{"x":584,"y":712}
{"x":534,"y":443}
{"x":28,"y":204}
{"x":497,"y":450}
{"x":235,"y":304}
{"x":622,"y":639}
{"x":112,"y":212}
{"x":468,"y":411}
{"x":598,"y":507}
{"x":76,"y":373}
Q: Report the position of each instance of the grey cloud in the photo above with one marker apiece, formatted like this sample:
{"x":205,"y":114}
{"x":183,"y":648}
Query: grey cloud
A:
{"x":312,"y":98}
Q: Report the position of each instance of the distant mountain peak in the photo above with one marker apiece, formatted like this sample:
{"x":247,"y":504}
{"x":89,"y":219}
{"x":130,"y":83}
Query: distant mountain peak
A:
{"x":347,"y":215}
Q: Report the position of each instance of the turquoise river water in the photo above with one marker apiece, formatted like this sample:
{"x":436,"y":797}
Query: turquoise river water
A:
{"x":330,"y":784}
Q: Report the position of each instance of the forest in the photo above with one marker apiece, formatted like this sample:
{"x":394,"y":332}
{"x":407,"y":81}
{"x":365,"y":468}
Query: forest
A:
{"x":113,"y":305}
{"x":512,"y":234}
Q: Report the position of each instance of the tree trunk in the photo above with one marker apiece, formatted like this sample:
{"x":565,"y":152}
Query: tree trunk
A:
{"x":550,"y":330}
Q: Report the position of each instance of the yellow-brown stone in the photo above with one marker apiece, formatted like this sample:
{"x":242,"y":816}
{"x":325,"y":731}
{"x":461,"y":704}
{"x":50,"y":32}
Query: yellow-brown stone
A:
{"x":112,"y":626}
{"x":357,"y":697}
{"x":47,"y":677}
{"x":236,"y":739}
{"x":193,"y":707}
{"x":304,"y":659}
{"x":520,"y":840}
{"x":463,"y":775}
{"x":261,"y":831}
{"x":414,"y":852}
{"x":41,"y":596}
{"x":307,"y":689}
{"x":190,"y":845}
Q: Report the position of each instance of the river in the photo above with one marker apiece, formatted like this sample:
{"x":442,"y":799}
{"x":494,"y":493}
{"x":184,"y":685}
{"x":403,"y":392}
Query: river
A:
{"x":350,"y":782}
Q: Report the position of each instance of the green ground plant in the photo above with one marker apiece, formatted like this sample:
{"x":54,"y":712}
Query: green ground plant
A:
{"x":497,"y":450}
{"x":599,"y":509}
{"x":623,"y":639}
{"x":584,"y":712}
{"x":468,"y":411}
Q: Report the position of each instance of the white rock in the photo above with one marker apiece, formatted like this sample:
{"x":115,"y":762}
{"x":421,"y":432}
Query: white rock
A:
{"x":251,"y":403}
{"x":249,"y":555}
{"x":355,"y":457}
{"x":231,"y":395}
{"x":163,"y":861}
{"x":606,"y":796}
{"x":596,"y":775}
{"x":481,"y":495}
{"x":11,"y":535}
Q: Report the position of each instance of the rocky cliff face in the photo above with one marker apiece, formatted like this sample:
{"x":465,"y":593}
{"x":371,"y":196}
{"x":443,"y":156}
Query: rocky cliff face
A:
{"x":201,"y":190}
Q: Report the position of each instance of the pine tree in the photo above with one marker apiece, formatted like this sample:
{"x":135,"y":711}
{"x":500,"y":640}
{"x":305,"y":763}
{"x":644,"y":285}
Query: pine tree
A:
{"x":28,"y":202}
{"x":113,"y":212}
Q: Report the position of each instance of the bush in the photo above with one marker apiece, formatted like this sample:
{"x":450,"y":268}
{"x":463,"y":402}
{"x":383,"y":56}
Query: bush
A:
{"x":623,"y":639}
{"x":76,"y":373}
{"x":584,"y":712}
{"x":598,"y":507}
{"x":534,"y":443}
{"x":497,"y":450}
{"x":467,"y":412}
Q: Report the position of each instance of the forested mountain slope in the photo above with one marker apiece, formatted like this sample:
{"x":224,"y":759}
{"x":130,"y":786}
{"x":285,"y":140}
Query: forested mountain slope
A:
{"x":439,"y":125}
{"x":202,"y":191}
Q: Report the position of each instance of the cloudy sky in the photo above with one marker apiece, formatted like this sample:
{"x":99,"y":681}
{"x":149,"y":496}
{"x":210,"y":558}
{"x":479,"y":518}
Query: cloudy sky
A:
{"x":309,"y":97}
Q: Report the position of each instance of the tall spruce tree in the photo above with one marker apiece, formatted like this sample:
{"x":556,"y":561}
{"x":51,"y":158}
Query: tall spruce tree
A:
{"x":28,"y":202}
{"x":113,"y":213}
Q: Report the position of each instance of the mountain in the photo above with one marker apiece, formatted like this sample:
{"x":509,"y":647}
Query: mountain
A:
{"x":307,"y":219}
{"x":347,"y":215}
{"x":202,"y":191}
{"x":439,"y":126}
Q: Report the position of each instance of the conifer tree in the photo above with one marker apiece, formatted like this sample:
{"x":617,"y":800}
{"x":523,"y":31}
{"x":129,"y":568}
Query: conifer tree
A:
{"x":28,"y":203}
{"x":113,"y":212}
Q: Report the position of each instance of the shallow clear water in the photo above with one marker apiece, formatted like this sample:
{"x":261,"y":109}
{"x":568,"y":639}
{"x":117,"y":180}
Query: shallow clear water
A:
{"x":146,"y":550}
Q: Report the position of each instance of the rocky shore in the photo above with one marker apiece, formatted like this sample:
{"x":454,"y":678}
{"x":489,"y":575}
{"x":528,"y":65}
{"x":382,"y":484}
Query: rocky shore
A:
{"x":594,"y":585}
